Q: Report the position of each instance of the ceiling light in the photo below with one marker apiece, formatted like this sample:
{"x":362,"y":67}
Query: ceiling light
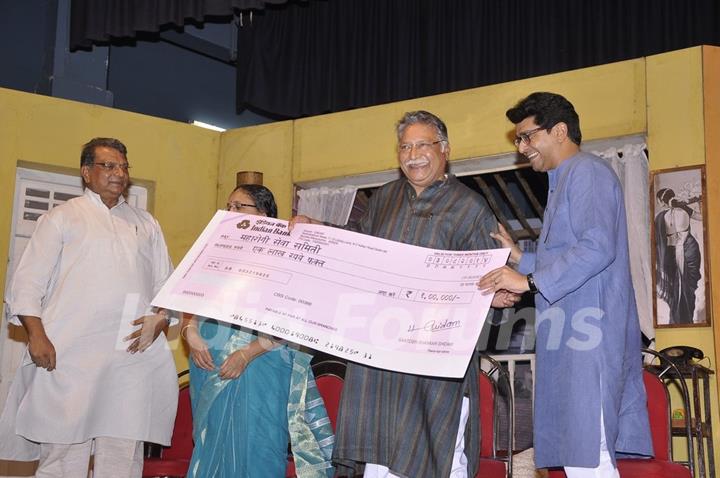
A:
{"x":207,"y":125}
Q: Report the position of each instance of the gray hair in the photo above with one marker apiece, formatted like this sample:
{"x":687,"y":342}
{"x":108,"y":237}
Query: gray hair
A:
{"x":422,"y":117}
{"x":87,"y":156}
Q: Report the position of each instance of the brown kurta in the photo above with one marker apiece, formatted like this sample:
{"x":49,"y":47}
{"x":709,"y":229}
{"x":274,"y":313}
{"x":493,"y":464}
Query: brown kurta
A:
{"x":409,"y":422}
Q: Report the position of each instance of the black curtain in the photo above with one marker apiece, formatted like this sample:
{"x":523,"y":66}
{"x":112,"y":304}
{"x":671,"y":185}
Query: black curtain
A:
{"x":102,"y":21}
{"x":320,"y":56}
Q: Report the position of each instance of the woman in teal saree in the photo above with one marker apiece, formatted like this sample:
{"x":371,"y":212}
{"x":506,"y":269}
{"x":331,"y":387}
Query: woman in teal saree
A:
{"x":251,"y":395}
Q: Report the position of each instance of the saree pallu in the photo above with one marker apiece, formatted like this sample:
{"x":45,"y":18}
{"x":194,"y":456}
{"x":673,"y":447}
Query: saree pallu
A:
{"x":241,"y":427}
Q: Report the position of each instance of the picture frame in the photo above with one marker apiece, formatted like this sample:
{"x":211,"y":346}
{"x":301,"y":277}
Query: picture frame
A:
{"x":679,"y":247}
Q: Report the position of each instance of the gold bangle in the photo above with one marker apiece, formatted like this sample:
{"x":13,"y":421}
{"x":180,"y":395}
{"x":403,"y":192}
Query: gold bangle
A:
{"x":183,"y":335}
{"x":242,"y":355}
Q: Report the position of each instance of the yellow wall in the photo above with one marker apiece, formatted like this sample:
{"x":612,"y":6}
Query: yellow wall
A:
{"x":675,"y":109}
{"x":610,"y":100}
{"x":181,"y":159}
{"x":677,"y":137}
{"x":265,"y":148}
{"x":711,"y":81}
{"x":674,"y":97}
{"x":711,"y":74}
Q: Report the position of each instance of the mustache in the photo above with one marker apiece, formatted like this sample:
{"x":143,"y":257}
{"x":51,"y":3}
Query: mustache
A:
{"x":417,"y":162}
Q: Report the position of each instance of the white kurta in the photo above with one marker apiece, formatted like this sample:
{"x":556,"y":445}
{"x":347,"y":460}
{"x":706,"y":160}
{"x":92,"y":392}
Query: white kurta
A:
{"x":88,"y":271}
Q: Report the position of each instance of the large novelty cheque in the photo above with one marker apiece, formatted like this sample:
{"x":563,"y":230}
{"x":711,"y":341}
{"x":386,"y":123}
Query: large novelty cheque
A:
{"x":373,"y":301}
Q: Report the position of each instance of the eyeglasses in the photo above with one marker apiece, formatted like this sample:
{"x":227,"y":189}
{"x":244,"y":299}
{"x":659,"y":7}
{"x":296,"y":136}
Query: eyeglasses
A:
{"x":421,"y":147}
{"x":525,"y":137}
{"x":110,"y":166}
{"x":236,"y":206}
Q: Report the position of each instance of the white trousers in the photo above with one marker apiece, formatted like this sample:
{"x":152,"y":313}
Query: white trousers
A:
{"x":459,"y":463}
{"x":605,"y":468}
{"x":113,"y":458}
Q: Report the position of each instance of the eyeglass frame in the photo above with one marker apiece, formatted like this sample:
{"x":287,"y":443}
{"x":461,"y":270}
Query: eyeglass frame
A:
{"x":111,"y":166}
{"x":526,"y":136}
{"x":238,"y":205}
{"x":420,"y":145}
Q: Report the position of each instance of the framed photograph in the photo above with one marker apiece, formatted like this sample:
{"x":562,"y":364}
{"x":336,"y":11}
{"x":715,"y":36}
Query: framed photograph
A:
{"x":679,"y":238}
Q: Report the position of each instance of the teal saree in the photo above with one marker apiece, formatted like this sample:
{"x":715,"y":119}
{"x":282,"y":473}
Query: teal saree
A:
{"x":241,"y":427}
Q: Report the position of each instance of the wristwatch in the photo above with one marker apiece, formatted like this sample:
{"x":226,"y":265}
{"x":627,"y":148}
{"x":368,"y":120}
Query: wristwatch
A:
{"x":531,"y":283}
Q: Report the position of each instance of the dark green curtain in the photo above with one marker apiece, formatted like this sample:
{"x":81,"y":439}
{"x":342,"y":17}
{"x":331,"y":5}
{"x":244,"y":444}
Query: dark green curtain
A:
{"x":298,"y":58}
{"x":322,"y":56}
{"x":104,"y":21}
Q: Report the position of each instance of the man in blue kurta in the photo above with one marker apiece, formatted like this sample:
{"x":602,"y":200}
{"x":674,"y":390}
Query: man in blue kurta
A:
{"x":590,"y":402}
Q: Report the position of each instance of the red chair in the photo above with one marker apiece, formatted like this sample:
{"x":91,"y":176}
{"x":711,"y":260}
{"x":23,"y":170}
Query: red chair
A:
{"x":662,"y":465}
{"x":175,"y":459}
{"x":329,"y":378}
{"x":492,"y":465}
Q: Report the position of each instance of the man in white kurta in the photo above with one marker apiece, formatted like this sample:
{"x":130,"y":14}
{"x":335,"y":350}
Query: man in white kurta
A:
{"x":97,"y":367}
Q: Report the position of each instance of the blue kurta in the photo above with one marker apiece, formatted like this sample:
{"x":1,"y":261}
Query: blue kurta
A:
{"x":588,"y":334}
